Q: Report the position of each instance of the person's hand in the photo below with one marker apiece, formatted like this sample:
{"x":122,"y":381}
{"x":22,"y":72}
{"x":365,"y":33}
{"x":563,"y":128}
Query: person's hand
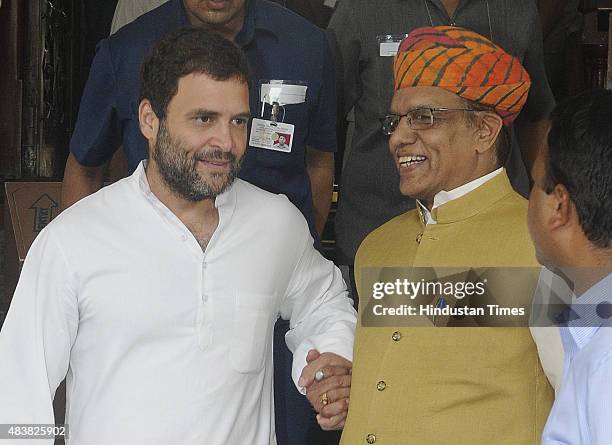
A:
{"x":327,"y":379}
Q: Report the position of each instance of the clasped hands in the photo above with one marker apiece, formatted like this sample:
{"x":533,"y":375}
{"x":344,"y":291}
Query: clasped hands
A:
{"x":327,"y":379}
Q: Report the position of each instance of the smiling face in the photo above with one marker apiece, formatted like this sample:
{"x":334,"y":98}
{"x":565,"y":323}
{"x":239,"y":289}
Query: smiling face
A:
{"x":198,"y":147}
{"x":441,"y":157}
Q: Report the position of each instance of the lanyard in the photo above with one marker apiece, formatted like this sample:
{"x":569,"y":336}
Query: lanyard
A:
{"x":452,"y":19}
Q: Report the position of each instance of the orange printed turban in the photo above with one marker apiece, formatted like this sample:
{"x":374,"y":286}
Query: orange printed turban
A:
{"x":464,"y":63}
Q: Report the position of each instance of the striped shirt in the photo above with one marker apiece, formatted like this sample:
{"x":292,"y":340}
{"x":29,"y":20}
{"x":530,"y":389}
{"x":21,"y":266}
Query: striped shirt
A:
{"x":582,"y":412}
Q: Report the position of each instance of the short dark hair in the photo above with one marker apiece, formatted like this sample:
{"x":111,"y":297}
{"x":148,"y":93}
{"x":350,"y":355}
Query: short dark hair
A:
{"x":580,"y":158}
{"x":183,"y":52}
{"x":502,"y":144}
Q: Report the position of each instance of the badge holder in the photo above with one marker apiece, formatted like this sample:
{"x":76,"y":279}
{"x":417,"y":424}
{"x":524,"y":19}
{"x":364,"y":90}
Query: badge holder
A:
{"x":273,"y":133}
{"x":388,"y":44}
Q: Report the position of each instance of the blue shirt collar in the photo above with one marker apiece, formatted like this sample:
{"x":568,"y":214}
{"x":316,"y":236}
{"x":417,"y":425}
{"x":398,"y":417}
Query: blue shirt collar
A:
{"x":593,"y":310}
{"x":254,"y":20}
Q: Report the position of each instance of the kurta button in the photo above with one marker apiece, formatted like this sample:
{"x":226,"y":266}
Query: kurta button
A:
{"x":204,"y":298}
{"x":419,"y":237}
{"x":396,"y":336}
{"x":381,"y":385}
{"x":370,"y":438}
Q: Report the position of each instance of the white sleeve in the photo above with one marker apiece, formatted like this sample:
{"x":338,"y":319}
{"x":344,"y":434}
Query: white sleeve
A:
{"x":37,"y":336}
{"x":550,"y":352}
{"x":321,"y":313}
{"x":551,"y":290}
{"x":121,"y":16}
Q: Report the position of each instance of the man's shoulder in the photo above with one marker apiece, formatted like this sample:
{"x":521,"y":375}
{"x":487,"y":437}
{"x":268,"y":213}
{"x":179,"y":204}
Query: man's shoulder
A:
{"x":510,"y":209}
{"x":287,"y":22}
{"x":504,"y":224}
{"x":271,"y":215}
{"x":107,"y":202}
{"x":147,"y":29}
{"x":528,"y":8}
{"x":362,"y":9}
{"x":251,"y":197}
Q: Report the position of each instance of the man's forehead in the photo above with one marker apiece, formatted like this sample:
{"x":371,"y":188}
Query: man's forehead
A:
{"x":199,"y":90}
{"x":198,"y":79}
{"x":406,"y":99}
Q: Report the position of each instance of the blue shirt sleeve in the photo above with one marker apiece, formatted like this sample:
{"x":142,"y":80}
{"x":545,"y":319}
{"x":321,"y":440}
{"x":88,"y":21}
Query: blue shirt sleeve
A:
{"x":97,"y":133}
{"x":322,"y":127}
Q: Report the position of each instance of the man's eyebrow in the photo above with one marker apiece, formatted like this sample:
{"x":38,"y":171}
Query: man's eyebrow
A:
{"x":203,"y":112}
{"x":412,"y":108}
{"x":199,"y":112}
{"x":246,"y":115}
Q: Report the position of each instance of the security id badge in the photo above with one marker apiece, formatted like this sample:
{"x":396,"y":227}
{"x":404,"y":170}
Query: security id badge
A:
{"x":277,"y":136}
{"x":270,"y":132}
{"x":388,"y":44}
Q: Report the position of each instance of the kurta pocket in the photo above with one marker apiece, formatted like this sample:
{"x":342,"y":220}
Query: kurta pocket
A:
{"x":252,"y":330}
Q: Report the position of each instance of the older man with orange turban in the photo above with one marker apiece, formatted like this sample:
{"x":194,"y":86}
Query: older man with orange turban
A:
{"x":456,"y":94}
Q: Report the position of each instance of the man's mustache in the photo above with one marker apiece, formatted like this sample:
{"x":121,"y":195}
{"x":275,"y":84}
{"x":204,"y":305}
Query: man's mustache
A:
{"x":215,"y":155}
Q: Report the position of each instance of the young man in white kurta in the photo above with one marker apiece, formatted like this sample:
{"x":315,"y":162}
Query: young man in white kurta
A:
{"x":164,"y":342}
{"x":165,"y":334}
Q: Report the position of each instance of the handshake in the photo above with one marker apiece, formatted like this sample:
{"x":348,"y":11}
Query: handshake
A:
{"x":327,"y":380}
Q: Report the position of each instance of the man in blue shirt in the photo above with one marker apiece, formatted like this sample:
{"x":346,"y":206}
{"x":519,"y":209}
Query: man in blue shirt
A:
{"x":570,"y":221}
{"x":279,"y":45}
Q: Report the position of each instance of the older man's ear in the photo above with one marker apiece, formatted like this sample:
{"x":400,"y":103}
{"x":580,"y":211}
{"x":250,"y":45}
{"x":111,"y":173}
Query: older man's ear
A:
{"x":489,"y":126}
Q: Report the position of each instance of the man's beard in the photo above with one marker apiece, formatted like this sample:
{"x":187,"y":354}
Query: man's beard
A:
{"x":179,"y":171}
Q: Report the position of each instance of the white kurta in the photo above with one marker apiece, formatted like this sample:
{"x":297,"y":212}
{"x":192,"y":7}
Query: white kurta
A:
{"x":163,"y":343}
